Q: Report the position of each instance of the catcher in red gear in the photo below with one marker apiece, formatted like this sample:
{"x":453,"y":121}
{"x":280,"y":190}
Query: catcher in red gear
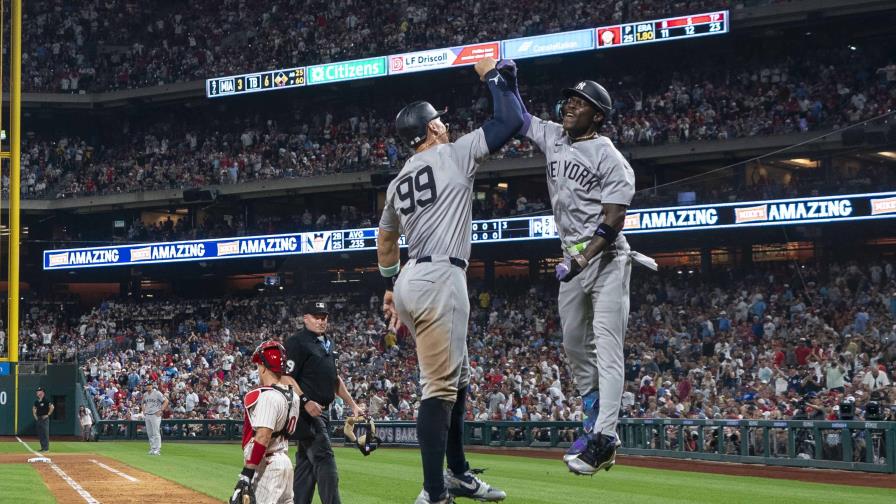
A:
{"x":271,"y":415}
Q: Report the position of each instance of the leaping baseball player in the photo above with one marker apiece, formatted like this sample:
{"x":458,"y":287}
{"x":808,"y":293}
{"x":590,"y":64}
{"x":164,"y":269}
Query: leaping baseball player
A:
{"x":591,"y":185}
{"x":272,"y":412}
{"x":430,"y":201}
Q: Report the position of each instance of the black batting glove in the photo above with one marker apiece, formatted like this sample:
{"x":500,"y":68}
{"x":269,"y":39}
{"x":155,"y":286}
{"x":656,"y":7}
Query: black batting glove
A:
{"x":242,"y":492}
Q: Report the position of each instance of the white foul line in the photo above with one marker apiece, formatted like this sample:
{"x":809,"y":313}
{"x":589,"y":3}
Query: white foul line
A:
{"x":115,"y":471}
{"x":65,"y":477}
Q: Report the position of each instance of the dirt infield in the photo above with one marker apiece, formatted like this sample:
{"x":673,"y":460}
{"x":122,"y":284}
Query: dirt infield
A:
{"x":855,"y":478}
{"x":104,"y":484}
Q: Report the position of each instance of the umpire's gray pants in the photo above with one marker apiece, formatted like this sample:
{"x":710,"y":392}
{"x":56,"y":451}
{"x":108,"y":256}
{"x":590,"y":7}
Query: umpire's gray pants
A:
{"x":594,"y":310}
{"x":43,"y":432}
{"x":154,"y":432}
{"x":431,"y":299}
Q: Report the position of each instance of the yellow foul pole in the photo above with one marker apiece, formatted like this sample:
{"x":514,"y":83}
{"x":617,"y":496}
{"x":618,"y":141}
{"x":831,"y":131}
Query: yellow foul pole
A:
{"x":15,"y":126}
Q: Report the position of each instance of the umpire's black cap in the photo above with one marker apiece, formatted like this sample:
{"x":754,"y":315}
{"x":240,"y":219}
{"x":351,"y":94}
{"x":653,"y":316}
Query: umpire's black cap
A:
{"x":412,"y":120}
{"x":593,"y":93}
{"x":316,"y":308}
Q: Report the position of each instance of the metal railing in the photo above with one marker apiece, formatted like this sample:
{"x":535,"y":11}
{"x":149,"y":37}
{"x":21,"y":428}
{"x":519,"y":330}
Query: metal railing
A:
{"x":853,"y":445}
{"x":850,"y":445}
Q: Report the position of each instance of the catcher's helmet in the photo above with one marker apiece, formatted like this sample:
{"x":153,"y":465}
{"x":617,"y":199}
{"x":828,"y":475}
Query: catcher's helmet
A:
{"x":411,"y":122}
{"x":593,"y":93}
{"x":271,"y":355}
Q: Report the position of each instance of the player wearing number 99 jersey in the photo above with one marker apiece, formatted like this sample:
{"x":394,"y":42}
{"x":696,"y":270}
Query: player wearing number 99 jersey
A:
{"x":271,"y":415}
{"x":430,"y":201}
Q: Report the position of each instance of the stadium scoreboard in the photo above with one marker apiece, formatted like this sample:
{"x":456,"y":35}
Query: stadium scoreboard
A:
{"x":252,"y":83}
{"x":663,"y":29}
{"x":605,"y":37}
{"x":796,"y":211}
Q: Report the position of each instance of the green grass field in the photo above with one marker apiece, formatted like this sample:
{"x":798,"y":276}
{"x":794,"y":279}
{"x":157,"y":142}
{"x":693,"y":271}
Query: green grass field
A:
{"x":393,"y":476}
{"x":22,"y":484}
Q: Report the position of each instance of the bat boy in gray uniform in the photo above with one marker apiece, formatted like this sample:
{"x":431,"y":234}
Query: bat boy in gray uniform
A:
{"x":590,"y":185}
{"x":430,"y":202}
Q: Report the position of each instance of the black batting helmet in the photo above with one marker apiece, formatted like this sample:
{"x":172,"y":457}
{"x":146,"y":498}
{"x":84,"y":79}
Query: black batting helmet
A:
{"x":593,"y":93}
{"x":411,"y":122}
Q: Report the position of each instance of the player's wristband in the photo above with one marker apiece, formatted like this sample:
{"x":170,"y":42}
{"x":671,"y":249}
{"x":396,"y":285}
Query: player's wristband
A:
{"x":607,"y":232}
{"x":303,"y":399}
{"x":390,"y":271}
{"x":255,"y":456}
{"x":247,"y":474}
{"x":389,"y":275}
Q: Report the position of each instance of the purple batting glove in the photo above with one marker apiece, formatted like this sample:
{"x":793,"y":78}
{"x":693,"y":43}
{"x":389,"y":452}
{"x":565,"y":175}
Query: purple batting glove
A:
{"x":562,"y":269}
{"x":567,"y":270}
{"x":507,"y":68}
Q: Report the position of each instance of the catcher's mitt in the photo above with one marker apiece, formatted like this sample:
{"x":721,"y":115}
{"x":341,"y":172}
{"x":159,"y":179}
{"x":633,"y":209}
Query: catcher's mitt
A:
{"x":242,"y":492}
{"x":362,"y":432}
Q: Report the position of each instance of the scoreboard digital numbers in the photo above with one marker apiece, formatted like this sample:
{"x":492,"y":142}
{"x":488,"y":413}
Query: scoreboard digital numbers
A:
{"x":663,"y":29}
{"x":692,"y":26}
{"x":521,"y":228}
{"x":697,"y":25}
{"x":253,"y":83}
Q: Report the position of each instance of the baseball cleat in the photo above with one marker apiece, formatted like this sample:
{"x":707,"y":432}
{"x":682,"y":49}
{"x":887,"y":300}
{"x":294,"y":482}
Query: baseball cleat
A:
{"x":599,"y":454}
{"x":468,"y":485}
{"x":423,"y":498}
{"x":578,"y":446}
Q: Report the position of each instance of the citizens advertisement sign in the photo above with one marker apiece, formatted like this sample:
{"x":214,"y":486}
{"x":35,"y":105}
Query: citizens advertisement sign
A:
{"x":347,"y":70}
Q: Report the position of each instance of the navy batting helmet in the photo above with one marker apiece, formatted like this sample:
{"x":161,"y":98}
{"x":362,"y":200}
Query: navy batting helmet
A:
{"x":411,"y":122}
{"x":593,"y":93}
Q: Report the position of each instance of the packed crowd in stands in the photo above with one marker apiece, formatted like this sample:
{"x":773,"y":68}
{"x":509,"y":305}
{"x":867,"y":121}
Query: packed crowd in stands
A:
{"x":102,"y":45}
{"x":493,"y":203}
{"x":779,"y":342}
{"x":822,"y":89}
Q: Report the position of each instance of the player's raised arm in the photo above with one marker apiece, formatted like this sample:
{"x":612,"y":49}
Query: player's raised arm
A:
{"x":507,"y":68}
{"x":542,"y":132}
{"x":507,"y":118}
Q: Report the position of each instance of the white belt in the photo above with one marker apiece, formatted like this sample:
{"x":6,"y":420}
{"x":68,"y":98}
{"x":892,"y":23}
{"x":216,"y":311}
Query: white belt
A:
{"x":638,"y":257}
{"x":643,"y":260}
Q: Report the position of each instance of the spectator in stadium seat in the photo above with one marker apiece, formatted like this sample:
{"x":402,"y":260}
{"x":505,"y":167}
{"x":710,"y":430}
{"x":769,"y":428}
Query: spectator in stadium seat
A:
{"x":85,"y":419}
{"x":875,"y":379}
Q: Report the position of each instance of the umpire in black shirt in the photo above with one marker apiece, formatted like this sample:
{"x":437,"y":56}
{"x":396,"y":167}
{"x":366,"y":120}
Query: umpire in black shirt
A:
{"x":41,"y":411}
{"x":311,"y":362}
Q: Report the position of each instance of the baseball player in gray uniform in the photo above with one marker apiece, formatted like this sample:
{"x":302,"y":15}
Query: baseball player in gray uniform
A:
{"x":590,"y":185}
{"x":154,"y":403}
{"x":430,"y":202}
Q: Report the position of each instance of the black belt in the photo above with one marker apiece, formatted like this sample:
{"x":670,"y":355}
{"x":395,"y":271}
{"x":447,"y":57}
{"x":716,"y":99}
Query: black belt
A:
{"x":460,"y":263}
